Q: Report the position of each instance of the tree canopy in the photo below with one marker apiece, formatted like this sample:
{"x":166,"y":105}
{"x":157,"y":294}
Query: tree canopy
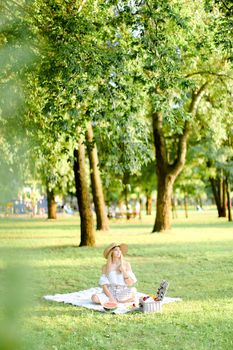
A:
{"x":144,"y":73}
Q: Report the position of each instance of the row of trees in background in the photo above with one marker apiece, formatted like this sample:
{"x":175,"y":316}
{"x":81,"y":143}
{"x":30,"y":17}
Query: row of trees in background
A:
{"x":114,"y":81}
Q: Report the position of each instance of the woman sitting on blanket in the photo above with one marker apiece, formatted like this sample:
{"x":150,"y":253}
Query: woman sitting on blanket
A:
{"x":117,"y":277}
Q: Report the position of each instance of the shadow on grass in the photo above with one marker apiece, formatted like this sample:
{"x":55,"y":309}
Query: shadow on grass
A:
{"x":188,"y":225}
{"x":42,"y":238}
{"x":169,"y":249}
{"x":59,"y":224}
{"x":49,"y":227}
{"x":119,"y":226}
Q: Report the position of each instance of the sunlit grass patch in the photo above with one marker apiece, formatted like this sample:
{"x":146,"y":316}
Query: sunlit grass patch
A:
{"x":195,"y":257}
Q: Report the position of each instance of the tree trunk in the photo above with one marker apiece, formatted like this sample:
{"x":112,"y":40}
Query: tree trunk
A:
{"x":140,"y":209}
{"x":224,"y":211}
{"x":222,"y":197}
{"x":126,"y":192}
{"x":200,"y":202}
{"x":219,"y":191}
{"x":213,"y":183}
{"x":174,"y":211}
{"x":52,"y":206}
{"x":148,"y":203}
{"x":96,"y":184}
{"x":84,"y":203}
{"x":186,"y":205}
{"x":168,"y":171}
{"x":163,"y":203}
{"x":228,"y":189}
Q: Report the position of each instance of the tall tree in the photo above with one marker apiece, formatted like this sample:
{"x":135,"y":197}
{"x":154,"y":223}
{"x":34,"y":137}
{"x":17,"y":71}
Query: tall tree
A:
{"x":96,"y":182}
{"x":82,"y":191}
{"x":216,"y":139}
{"x":52,"y":207}
{"x":175,"y":72}
{"x":62,"y":79}
{"x":168,"y":171}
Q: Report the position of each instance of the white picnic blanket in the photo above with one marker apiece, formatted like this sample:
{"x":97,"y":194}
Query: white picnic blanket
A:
{"x":83,"y":298}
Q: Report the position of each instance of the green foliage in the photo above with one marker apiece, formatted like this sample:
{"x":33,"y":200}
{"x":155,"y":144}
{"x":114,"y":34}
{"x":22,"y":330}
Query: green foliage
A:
{"x":17,"y":56}
{"x":124,"y":146}
{"x":192,"y":181}
{"x":223,"y":12}
{"x":114,"y":63}
{"x":73,"y":84}
{"x":215,"y":120}
{"x":211,"y":141}
{"x":168,"y":69}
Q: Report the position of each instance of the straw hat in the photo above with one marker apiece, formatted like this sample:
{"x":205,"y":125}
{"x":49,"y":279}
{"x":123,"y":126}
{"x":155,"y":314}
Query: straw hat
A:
{"x":123,"y":247}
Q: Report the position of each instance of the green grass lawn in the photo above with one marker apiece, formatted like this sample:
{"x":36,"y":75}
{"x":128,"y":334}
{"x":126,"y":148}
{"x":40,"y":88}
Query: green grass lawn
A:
{"x":195,"y":257}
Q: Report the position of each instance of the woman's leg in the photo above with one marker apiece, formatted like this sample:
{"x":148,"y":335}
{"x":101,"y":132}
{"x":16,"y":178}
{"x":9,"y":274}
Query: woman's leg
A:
{"x":95,"y":299}
{"x":131,"y":297}
{"x":127,"y":300}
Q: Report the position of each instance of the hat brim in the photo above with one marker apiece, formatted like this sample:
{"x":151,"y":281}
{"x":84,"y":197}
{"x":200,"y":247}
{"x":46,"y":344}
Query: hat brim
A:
{"x":123,"y":247}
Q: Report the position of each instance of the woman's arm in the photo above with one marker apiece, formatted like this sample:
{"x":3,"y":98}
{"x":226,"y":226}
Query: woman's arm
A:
{"x":127,"y":273}
{"x":105,"y":286}
{"x":107,"y":292}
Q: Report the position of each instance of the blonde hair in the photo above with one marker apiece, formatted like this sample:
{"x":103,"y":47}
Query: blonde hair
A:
{"x":110,"y":261}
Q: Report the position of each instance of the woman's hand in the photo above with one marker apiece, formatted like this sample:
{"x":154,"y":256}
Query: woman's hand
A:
{"x":109,"y":295}
{"x":125,"y":269}
{"x":113,"y":300}
{"x":121,"y":268}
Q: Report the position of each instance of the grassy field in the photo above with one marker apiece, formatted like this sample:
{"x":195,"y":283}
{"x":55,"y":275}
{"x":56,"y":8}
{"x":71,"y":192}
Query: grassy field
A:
{"x":195,"y":257}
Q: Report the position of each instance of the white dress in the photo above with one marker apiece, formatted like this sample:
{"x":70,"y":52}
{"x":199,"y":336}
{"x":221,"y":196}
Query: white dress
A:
{"x":117,"y":286}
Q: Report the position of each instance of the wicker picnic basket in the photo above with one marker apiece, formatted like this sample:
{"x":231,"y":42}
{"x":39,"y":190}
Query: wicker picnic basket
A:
{"x":151,"y":306}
